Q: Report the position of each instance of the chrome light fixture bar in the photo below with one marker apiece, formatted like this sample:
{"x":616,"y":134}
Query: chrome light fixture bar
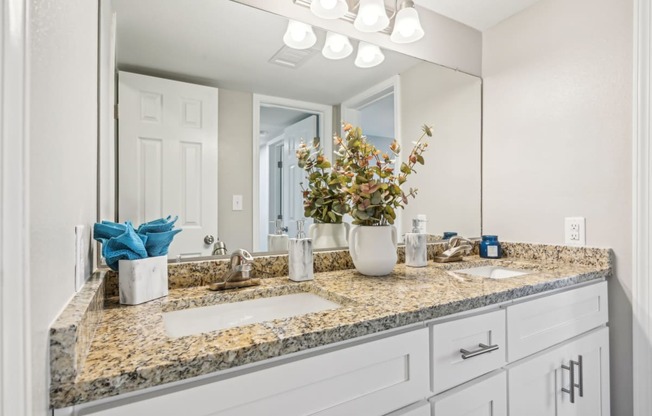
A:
{"x":350,"y":15}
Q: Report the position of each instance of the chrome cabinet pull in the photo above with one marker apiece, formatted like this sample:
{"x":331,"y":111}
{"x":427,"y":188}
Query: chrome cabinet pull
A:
{"x":466,"y":354}
{"x":580,"y":365}
{"x":573,"y":384}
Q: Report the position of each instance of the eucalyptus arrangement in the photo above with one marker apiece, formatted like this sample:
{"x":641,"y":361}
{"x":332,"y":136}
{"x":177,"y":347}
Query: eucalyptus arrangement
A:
{"x":323,"y":199}
{"x":374,"y":191}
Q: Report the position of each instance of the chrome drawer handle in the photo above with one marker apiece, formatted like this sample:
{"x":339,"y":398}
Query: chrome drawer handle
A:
{"x":466,"y":354}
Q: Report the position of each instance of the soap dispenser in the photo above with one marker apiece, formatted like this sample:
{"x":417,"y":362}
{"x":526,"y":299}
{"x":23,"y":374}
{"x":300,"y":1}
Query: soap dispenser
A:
{"x":300,"y":255}
{"x":416,"y":247}
{"x":278,"y":241}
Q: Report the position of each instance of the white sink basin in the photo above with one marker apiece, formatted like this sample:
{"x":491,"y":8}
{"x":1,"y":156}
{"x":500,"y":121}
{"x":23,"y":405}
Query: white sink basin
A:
{"x":494,"y":272}
{"x":211,"y":318}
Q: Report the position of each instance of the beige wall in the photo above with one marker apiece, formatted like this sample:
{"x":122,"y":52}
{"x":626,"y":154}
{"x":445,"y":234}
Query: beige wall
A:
{"x":62,"y":162}
{"x":235,"y":167}
{"x":450,"y":102}
{"x":557,"y":141}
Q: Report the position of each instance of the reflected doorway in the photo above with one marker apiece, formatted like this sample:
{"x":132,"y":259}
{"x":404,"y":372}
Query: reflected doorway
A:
{"x":281,"y":126}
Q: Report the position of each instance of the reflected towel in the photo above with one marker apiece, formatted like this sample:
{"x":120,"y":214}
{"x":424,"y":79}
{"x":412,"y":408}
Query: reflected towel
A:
{"x":157,"y":226}
{"x":157,"y":243}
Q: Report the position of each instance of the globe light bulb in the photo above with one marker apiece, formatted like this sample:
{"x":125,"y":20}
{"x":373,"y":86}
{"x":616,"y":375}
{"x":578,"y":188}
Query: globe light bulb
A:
{"x":328,"y":4}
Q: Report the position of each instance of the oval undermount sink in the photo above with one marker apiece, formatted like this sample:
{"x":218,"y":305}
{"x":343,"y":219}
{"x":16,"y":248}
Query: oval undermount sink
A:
{"x":228,"y":315}
{"x":494,"y":272}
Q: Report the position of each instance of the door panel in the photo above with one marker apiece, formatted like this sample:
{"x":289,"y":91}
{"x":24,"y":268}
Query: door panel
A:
{"x":167,"y":163}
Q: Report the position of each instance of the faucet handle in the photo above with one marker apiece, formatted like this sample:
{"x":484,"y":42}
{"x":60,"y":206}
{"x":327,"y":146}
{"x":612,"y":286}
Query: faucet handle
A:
{"x":240,"y":256}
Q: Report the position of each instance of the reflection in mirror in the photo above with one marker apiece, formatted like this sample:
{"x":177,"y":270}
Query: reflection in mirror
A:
{"x":218,"y":108}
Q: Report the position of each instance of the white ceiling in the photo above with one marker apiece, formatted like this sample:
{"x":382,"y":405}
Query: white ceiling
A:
{"x":228,"y":45}
{"x":479,"y":14}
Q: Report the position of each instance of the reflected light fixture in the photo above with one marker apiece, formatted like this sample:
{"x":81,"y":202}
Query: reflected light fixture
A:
{"x":371,"y":17}
{"x":368,"y":55}
{"x":336,"y":46}
{"x":407,"y":27}
{"x":329,"y":9}
{"x":299,"y":35}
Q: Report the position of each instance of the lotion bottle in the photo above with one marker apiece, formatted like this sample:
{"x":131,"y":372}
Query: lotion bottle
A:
{"x":300,"y":256}
{"x":416,"y":247}
{"x":279,"y":240}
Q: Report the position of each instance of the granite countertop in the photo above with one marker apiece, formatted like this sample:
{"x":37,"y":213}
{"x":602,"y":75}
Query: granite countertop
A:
{"x":129,"y":349}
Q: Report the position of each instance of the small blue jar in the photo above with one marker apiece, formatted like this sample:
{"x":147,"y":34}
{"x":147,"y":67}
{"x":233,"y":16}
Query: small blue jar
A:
{"x":449,"y":234}
{"x":490,"y":247}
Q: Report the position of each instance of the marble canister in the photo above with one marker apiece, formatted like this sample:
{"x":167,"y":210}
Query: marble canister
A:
{"x":300,"y":259}
{"x":142,"y":280}
{"x":416,"y":250}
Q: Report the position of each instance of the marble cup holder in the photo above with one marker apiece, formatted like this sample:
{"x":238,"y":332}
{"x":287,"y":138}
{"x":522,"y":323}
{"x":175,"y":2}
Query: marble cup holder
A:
{"x":142,"y":280}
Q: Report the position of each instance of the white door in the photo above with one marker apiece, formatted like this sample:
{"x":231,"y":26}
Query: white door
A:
{"x":485,"y":398}
{"x":535,"y":386}
{"x":293,"y":175}
{"x":167,"y":157}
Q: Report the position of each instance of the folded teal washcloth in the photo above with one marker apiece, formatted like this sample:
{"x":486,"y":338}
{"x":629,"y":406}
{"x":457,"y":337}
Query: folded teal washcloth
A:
{"x":157,"y":226}
{"x":157,"y":243}
{"x":123,"y":242}
{"x":126,"y":246}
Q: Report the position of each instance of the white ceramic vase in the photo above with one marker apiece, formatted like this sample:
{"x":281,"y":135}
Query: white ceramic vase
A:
{"x":373,"y":249}
{"x":329,"y":235}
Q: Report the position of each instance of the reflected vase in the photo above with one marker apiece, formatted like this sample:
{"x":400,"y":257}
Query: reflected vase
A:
{"x":373,"y":249}
{"x":329,"y":236}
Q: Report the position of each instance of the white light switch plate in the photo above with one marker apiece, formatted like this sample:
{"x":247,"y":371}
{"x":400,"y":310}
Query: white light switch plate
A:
{"x":237,"y":202}
{"x":575,"y":231}
{"x":80,"y":267}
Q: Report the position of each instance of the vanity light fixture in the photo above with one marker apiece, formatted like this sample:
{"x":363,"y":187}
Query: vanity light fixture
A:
{"x":336,"y":46}
{"x":299,"y":35}
{"x":371,"y":17}
{"x":329,"y":9}
{"x":407,"y":27}
{"x":368,"y":56}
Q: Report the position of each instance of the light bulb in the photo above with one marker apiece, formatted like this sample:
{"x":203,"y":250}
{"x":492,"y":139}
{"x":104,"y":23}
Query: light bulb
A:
{"x":336,"y":46}
{"x":407,"y":27}
{"x":368,"y":55}
{"x":299,"y":35}
{"x":370,"y":19}
{"x":406,"y":30}
{"x":328,"y":4}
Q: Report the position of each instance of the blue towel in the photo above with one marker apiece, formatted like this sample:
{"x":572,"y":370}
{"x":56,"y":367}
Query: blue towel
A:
{"x":126,"y":246}
{"x":157,"y":243}
{"x":157,"y":226}
{"x":123,"y":242}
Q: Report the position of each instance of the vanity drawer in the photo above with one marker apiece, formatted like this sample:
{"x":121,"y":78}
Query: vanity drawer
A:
{"x":482,"y":338}
{"x":538,"y":324}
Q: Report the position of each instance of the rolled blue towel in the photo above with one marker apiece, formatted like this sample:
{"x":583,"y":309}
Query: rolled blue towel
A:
{"x":157,"y":244}
{"x":108,"y":229}
{"x":157,"y":226}
{"x":126,"y":246}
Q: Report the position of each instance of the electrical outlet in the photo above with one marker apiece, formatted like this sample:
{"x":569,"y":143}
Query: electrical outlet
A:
{"x":575,"y":231}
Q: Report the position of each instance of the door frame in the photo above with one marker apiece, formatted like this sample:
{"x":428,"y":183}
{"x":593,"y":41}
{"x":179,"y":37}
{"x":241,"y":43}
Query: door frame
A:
{"x":642,"y":210}
{"x":325,"y":125}
{"x":370,"y":96}
{"x":15,"y":328}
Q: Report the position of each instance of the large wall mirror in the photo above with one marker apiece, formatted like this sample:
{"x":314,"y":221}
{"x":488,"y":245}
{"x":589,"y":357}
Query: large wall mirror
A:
{"x":212,"y":107}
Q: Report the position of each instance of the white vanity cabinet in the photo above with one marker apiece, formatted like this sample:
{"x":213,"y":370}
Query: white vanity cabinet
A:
{"x":521,"y":358}
{"x":570,"y":380}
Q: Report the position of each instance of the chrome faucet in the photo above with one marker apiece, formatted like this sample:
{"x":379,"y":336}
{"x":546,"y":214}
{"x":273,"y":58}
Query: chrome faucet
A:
{"x":240,"y":274}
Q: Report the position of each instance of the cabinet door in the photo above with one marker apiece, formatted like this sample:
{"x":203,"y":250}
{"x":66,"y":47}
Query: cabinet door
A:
{"x":487,"y":397}
{"x":591,"y":373}
{"x":535,"y":385}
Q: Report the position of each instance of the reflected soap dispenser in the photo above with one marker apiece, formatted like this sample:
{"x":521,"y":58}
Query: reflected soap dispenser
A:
{"x":300,"y":261}
{"x":278,"y":241}
{"x":416,"y":246}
